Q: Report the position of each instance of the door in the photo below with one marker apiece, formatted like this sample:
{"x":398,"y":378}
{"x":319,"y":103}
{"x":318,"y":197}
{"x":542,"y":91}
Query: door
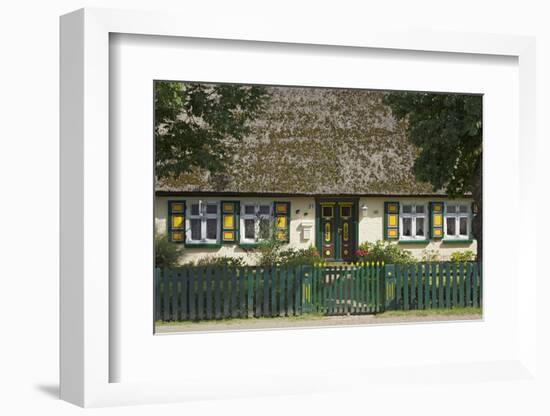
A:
{"x":336,"y":231}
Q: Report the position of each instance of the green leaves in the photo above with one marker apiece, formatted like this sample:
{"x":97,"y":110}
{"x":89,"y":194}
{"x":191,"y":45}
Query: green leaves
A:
{"x":195,"y":123}
{"x":447,"y":129}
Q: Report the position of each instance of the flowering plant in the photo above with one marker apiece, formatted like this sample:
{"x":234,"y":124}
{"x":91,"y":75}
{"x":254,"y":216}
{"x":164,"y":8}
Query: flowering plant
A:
{"x":383,"y":251}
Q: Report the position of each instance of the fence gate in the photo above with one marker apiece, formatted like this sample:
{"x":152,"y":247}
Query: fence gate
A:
{"x":346,"y":290}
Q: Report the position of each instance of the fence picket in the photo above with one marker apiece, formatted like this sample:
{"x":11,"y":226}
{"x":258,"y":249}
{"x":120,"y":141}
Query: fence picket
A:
{"x":474,"y":288}
{"x":355,"y":290}
{"x":427,"y":286}
{"x":468,"y":299}
{"x":377,"y":300}
{"x":406,"y":287}
{"x":192,"y":273}
{"x":317,"y":290}
{"x":461,"y":285}
{"x":282,"y":291}
{"x":480,"y":277}
{"x":184,"y":282}
{"x":158,"y":277}
{"x":245,"y":284}
{"x":345,"y":290}
{"x":297,"y":290}
{"x":217,"y":292}
{"x":273,"y":279}
{"x":434,"y":285}
{"x":455,"y":284}
{"x":447,"y":285}
{"x":340,"y":290}
{"x":420,"y":286}
{"x":398,"y":286}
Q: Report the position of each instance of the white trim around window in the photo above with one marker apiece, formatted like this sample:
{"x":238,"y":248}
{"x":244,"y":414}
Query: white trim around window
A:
{"x":254,"y":216}
{"x":457,"y":220}
{"x":202,"y":222}
{"x":413,"y":221}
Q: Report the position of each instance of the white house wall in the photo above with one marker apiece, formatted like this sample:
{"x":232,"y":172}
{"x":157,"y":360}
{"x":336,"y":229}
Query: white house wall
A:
{"x":302,"y":215}
{"x":371,"y":227}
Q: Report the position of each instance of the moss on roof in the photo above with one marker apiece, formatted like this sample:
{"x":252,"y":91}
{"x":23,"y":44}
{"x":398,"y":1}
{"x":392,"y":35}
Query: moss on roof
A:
{"x":317,"y":141}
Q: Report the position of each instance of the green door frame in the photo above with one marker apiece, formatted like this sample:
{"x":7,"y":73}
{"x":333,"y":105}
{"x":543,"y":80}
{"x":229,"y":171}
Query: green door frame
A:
{"x":354,"y":229}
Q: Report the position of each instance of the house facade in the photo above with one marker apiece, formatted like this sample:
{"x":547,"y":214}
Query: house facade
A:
{"x":326,"y":168}
{"x":221,"y":225}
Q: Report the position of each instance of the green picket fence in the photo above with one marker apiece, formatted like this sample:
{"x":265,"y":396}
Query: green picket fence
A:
{"x":433,"y":285}
{"x":219,"y":292}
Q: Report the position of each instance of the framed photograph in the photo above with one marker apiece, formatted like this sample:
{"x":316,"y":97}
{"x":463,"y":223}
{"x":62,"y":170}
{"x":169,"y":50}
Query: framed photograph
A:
{"x":251,"y":215}
{"x":305,"y":206}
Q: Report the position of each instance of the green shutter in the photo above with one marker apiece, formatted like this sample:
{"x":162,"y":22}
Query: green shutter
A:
{"x":391,"y":220}
{"x":230,"y":221}
{"x":436,"y":220}
{"x":281,"y":212}
{"x":176,"y":221}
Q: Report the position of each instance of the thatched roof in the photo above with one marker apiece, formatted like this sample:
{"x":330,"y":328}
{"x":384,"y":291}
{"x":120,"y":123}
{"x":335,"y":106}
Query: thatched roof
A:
{"x":317,"y":141}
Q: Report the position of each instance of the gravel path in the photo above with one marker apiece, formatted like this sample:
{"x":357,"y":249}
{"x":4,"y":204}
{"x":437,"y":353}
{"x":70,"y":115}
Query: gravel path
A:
{"x":289,"y":323}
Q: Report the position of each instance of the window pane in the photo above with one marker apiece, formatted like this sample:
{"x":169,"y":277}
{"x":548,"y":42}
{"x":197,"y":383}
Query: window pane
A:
{"x":407,"y":227}
{"x":420,"y":226}
{"x":195,"y":229}
{"x":327,"y":211}
{"x":463,"y":209}
{"x":194,"y":209}
{"x":249,"y":229}
{"x":464,"y":226}
{"x":451,"y":226}
{"x":249,"y":209}
{"x":407,"y":209}
{"x":212,"y":209}
{"x":346,"y":211}
{"x":211,"y":228}
{"x":264,"y":209}
{"x":451,"y":209}
{"x":420,"y":209}
{"x":264,"y":228}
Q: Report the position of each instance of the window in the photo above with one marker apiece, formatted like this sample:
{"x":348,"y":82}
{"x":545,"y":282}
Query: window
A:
{"x":457,"y":221}
{"x":413,"y":221}
{"x":256,"y":221}
{"x":202,"y":222}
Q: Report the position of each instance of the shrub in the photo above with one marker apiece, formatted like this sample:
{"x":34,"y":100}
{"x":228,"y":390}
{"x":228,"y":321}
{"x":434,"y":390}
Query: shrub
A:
{"x":297,"y":257}
{"x":268,"y":252}
{"x":167,"y":253}
{"x":462,"y":256}
{"x":430,"y":256}
{"x":384,"y":251}
{"x":219,"y":261}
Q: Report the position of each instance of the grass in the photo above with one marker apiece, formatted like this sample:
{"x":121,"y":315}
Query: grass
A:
{"x":238,"y":321}
{"x":430,"y":312}
{"x":318,"y":316}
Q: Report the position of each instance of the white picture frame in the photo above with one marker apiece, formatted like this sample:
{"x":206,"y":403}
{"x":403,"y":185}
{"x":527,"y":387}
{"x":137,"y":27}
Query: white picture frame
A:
{"x":87,"y":333}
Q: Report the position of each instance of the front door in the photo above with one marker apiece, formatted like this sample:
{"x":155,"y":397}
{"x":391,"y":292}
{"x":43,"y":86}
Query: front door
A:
{"x":336,"y":232}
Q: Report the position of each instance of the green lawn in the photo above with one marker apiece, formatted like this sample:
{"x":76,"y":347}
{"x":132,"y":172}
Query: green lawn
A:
{"x":317,"y":317}
{"x":430,"y":312}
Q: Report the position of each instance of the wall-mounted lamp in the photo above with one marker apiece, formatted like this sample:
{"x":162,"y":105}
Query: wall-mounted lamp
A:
{"x":364,"y":208}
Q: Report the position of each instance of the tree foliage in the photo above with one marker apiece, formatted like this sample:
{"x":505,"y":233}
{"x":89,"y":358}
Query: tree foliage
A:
{"x":194,"y":123}
{"x":447,"y":129}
